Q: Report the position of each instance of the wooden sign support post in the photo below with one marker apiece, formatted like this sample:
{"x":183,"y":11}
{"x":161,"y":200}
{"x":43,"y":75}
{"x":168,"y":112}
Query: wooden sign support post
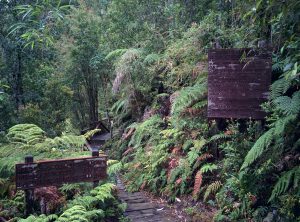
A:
{"x":95,"y":153}
{"x":29,"y":193}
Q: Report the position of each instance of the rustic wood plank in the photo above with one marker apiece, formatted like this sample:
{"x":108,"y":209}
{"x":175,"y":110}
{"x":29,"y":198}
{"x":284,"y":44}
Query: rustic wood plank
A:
{"x":237,"y":87}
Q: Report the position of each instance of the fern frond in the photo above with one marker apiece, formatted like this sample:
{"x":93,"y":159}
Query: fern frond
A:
{"x":29,"y":134}
{"x":115,"y":53}
{"x":212,"y":189}
{"x":76,"y":213}
{"x":91,"y":133}
{"x":188,"y":97}
{"x":208,"y":168}
{"x":258,"y":148}
{"x":144,"y":129}
{"x":220,"y":136}
{"x":193,"y":154}
{"x":205,"y":156}
{"x":288,"y":179}
{"x":114,"y":168}
{"x":287,"y":105}
{"x":104,"y":192}
{"x":279,"y":87}
{"x":197,"y":183}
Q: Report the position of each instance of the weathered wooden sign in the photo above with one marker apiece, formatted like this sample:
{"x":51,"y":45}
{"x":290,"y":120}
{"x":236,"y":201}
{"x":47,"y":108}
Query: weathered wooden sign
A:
{"x":238,"y":83}
{"x":31,"y":175}
{"x":57,"y":172}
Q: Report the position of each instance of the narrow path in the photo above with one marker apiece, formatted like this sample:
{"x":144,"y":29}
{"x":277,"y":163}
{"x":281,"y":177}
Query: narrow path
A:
{"x":140,"y":208}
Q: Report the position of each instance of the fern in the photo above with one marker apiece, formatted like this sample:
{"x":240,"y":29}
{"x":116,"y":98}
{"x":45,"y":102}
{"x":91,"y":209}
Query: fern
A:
{"x":40,"y":218}
{"x":287,"y":105}
{"x":197,"y":183}
{"x":115,"y":53}
{"x":123,"y":67}
{"x":146,"y":128}
{"x":204,"y":156}
{"x":279,"y":87}
{"x":188,"y":97}
{"x":208,"y":168}
{"x":114,"y":168}
{"x":91,"y":133}
{"x":288,"y":179}
{"x":212,"y":189}
{"x":119,"y":106}
{"x":151,"y":58}
{"x":27,"y":134}
{"x":103,"y":192}
{"x":76,"y":213}
{"x":220,"y":136}
{"x":66,"y":142}
{"x":258,"y":148}
{"x":193,"y":154}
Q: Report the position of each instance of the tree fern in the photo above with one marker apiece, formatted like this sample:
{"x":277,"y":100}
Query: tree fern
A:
{"x":67,"y":142}
{"x":29,"y":134}
{"x":119,"y":106}
{"x":288,"y":180}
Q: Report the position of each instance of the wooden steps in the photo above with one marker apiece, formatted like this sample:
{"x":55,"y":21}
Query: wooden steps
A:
{"x":139,"y":207}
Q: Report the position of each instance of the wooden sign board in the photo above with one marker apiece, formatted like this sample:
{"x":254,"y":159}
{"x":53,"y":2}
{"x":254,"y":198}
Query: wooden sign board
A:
{"x":58,"y":172}
{"x":238,"y":83}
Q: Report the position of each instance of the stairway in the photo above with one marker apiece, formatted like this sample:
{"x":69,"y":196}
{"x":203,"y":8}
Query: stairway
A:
{"x":139,"y":207}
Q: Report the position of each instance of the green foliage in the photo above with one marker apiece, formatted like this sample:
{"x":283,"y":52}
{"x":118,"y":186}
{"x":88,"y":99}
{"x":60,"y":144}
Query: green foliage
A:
{"x":27,"y":134}
{"x":287,"y":105}
{"x":188,"y":97}
{"x":41,"y":218}
{"x":114,"y":167}
{"x":288,"y":179}
{"x":258,"y":148}
{"x":212,"y":189}
{"x":79,"y":213}
{"x":145,"y":129}
{"x":63,"y":68}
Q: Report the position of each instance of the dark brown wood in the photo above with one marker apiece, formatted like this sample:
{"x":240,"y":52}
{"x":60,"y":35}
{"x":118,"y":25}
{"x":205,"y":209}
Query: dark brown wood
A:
{"x":238,"y":83}
{"x":58,"y":172}
{"x":29,"y":193}
{"x":95,"y":153}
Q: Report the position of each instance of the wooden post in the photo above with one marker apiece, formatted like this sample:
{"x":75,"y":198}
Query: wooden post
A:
{"x":95,"y":153}
{"x":29,"y":193}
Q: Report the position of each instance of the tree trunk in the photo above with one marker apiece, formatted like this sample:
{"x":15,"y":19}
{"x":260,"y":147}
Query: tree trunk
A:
{"x":17,"y":81}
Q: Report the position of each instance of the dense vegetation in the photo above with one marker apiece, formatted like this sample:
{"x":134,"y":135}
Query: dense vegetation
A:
{"x":143,"y":66}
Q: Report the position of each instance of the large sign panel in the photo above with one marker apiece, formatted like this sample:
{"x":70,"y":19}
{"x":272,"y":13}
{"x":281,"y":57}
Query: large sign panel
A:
{"x":238,"y":83}
{"x":58,"y":172}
